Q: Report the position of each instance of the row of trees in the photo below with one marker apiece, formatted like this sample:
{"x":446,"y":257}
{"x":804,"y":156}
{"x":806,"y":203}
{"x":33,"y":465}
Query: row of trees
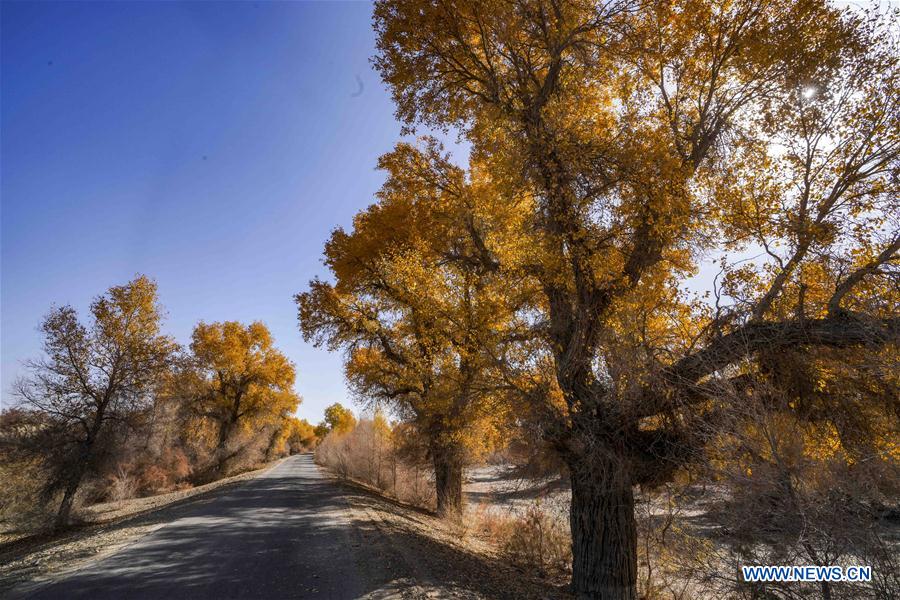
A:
{"x":615,"y":148}
{"x":114,"y":395}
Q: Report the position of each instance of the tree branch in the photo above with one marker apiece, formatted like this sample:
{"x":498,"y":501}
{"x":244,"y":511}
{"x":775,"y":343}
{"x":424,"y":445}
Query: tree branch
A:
{"x":834,"y":304}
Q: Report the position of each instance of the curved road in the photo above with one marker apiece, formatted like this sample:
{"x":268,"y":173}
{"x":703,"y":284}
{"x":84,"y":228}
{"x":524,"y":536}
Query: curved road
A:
{"x":285,"y":534}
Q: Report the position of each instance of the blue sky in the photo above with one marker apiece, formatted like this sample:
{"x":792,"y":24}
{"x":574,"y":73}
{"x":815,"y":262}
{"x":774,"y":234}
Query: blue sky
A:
{"x":212,"y":146}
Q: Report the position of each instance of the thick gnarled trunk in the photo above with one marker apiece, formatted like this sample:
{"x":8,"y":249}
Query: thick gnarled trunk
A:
{"x":77,"y":472}
{"x":448,"y":475}
{"x":273,"y":443}
{"x":604,"y":537}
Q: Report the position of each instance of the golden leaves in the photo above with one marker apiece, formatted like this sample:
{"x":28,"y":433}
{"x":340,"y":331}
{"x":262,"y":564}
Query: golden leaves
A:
{"x":242,"y":375}
{"x":614,"y":147}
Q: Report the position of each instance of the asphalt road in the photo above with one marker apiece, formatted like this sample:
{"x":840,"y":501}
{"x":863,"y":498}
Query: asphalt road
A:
{"x":286,"y":534}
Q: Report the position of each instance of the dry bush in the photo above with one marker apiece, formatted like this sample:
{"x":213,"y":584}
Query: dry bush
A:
{"x":177,"y":463}
{"x":784,"y":485}
{"x":24,"y":475}
{"x":537,"y":538}
{"x":540,"y":540}
{"x":368,"y":453}
{"x":674,"y":560}
{"x":166,"y":472}
{"x":812,"y":485}
{"x":414,"y":485}
{"x":246,"y":452}
{"x":21,"y":483}
{"x":122,"y":485}
{"x":138,"y":473}
{"x":155,"y":479}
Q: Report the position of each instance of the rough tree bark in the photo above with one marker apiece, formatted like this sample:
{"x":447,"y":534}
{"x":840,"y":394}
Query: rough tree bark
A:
{"x":448,"y":475}
{"x":222,"y":455}
{"x":604,"y":534}
{"x":273,"y":441}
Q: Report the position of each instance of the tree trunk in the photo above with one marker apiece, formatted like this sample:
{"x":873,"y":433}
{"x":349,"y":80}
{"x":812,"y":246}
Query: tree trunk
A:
{"x":222,"y":454}
{"x":448,"y":483}
{"x":270,"y":447}
{"x":224,"y":433}
{"x":65,"y":508}
{"x":72,"y":484}
{"x":76,"y":475}
{"x":604,"y":538}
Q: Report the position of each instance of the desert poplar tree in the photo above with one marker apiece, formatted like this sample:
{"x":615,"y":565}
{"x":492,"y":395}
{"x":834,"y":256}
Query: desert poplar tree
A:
{"x":421,"y":308}
{"x":94,"y":377}
{"x":653,"y":136}
{"x":239,"y":381}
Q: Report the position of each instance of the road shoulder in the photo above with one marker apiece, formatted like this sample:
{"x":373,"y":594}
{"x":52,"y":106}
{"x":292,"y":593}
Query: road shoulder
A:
{"x":426,"y":557}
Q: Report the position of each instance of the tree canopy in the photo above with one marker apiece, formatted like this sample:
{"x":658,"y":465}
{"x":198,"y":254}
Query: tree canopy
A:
{"x":421,"y":308}
{"x":338,"y":419}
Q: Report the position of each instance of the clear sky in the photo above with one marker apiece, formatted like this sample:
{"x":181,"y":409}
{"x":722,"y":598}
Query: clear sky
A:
{"x":212,"y":146}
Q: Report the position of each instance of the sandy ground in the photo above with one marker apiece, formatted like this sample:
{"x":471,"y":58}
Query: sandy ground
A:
{"x":497,"y":488}
{"x":442,"y":559}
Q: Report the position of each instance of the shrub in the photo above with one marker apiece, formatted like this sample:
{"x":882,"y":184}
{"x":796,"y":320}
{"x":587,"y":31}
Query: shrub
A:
{"x":535,"y":539}
{"x":541,"y":540}
{"x":21,"y":483}
{"x":154,"y":479}
{"x":145,"y":477}
{"x":179,"y":466}
{"x":122,"y":485}
{"x":368,"y":453}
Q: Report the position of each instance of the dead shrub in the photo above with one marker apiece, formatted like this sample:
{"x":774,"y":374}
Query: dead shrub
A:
{"x":122,"y":485}
{"x":179,"y":465}
{"x":155,"y":479}
{"x":540,"y":540}
{"x":21,"y":483}
{"x":171,"y":468}
{"x":536,"y":538}
{"x":368,"y":453}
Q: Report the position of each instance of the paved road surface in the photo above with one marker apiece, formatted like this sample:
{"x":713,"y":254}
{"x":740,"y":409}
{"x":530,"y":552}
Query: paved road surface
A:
{"x":285,"y":534}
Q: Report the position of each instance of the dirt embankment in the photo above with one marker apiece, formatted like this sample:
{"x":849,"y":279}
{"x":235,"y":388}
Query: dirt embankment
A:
{"x":440,"y":558}
{"x":432,"y":557}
